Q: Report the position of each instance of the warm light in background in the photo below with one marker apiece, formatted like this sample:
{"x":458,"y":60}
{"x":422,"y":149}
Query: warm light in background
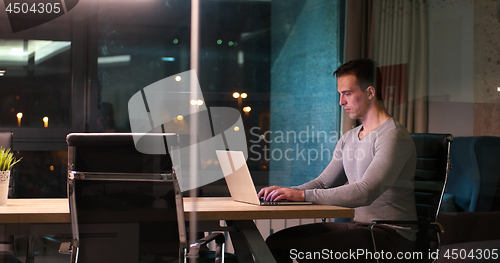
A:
{"x":498,"y":89}
{"x":236,"y":95}
{"x":196,"y":102}
{"x":19,"y":117}
{"x":178,"y":78}
{"x":247,"y":109}
{"x":51,"y":168}
{"x":236,"y":128}
{"x":244,"y":95}
{"x":180,"y":118}
{"x":45,"y":122}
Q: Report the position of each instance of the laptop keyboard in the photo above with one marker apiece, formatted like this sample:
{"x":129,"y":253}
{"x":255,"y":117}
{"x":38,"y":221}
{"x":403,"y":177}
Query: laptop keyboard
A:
{"x":262,"y":201}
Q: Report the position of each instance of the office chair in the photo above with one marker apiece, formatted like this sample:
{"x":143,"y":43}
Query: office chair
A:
{"x":125,"y":206}
{"x":431,"y":175}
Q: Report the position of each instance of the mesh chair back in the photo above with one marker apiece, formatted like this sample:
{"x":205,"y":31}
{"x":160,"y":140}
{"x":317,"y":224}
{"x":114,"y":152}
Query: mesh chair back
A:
{"x":431,"y":173}
{"x":112,"y":153}
{"x":113,"y":186}
{"x":145,"y":214}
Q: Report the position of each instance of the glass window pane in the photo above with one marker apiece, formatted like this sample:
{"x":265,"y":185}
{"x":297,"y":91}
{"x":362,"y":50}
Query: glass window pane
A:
{"x":143,"y":43}
{"x":35,"y":81}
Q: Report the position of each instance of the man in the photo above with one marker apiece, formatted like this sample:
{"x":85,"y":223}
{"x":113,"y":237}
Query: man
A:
{"x":372,"y":170}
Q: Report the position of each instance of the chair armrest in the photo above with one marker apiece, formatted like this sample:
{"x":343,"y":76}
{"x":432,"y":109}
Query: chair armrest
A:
{"x":65,"y":248}
{"x":425,"y":230}
{"x":219,"y":238}
{"x":435,"y":225}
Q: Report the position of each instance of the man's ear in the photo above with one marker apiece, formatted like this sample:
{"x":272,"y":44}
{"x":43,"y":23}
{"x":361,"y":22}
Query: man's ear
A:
{"x":371,"y":92}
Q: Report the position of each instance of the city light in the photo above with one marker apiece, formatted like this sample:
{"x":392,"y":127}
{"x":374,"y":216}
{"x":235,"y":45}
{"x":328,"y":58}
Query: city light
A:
{"x":247,"y":109}
{"x":236,"y":95}
{"x":19,"y":117}
{"x":196,"y":102}
{"x":168,"y":59}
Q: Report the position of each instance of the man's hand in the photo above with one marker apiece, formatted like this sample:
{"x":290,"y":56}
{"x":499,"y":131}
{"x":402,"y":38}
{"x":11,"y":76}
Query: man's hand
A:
{"x":276,"y":193}
{"x":264,"y":192}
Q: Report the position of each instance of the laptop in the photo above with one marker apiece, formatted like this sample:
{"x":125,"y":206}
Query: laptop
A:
{"x":239,"y":181}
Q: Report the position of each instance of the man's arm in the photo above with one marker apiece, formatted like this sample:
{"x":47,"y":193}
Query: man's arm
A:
{"x":392,"y":153}
{"x":332,"y":176}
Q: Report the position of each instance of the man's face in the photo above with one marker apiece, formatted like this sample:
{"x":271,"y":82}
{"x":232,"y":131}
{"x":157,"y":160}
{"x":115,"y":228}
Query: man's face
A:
{"x":354,"y":100}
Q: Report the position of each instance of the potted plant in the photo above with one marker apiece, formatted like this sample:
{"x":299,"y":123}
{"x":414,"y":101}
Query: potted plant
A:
{"x":7,"y":160}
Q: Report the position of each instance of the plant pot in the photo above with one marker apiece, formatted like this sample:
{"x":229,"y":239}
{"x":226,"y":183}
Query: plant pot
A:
{"x":4,"y":187}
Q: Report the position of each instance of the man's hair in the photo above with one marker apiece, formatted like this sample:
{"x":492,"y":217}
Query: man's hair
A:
{"x":364,"y":70}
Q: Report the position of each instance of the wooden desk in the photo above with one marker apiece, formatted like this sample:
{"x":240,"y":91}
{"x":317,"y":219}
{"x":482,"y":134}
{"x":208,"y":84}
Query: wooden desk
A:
{"x":246,"y":238}
{"x":34,"y":211}
{"x":56,"y":210}
{"x":224,"y":208}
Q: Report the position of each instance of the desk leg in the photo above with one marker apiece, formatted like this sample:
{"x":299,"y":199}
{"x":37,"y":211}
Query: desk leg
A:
{"x":247,"y":239}
{"x":30,"y":250}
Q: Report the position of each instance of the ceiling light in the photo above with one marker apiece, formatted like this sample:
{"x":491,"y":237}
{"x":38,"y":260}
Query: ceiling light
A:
{"x":17,"y":52}
{"x":113,"y":60}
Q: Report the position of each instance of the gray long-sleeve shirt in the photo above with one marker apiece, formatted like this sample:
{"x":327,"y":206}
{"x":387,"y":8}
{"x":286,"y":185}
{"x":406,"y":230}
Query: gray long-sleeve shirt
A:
{"x":379,"y":169}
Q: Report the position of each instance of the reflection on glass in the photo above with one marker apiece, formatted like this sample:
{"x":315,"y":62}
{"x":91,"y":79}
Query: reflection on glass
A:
{"x":36,"y":82}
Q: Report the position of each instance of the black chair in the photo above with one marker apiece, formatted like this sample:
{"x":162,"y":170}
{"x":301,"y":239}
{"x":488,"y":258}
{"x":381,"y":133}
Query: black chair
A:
{"x":431,"y":175}
{"x":125,"y":205}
